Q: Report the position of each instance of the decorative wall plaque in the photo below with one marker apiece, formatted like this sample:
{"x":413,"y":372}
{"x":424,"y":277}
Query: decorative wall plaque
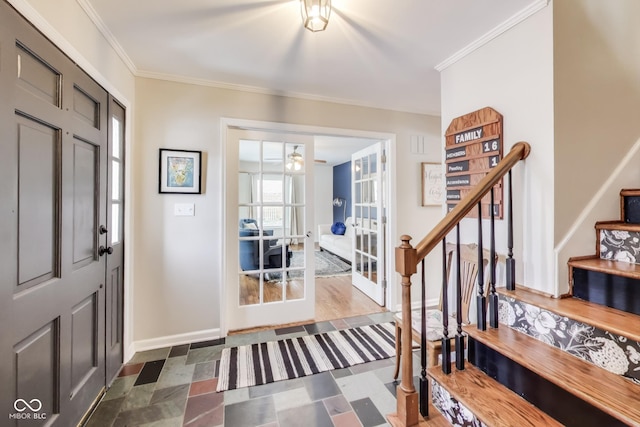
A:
{"x":473,"y":147}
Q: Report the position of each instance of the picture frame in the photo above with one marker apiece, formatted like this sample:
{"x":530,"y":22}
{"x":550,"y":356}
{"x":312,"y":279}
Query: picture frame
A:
{"x":432,"y":184}
{"x":180,"y":171}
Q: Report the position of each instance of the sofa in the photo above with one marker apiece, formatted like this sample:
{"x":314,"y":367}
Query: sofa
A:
{"x":337,"y":244}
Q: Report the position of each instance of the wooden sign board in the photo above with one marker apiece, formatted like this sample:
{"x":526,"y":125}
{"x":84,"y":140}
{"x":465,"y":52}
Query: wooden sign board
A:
{"x":473,"y":147}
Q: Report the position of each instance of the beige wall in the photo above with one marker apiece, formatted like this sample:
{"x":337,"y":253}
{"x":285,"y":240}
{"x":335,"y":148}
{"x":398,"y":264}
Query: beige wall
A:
{"x":597,"y":131}
{"x":177,"y":273}
{"x":513,"y":74}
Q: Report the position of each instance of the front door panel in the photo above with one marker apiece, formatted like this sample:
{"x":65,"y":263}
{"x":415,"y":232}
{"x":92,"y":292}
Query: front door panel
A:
{"x":114,"y":231}
{"x":53,"y":136}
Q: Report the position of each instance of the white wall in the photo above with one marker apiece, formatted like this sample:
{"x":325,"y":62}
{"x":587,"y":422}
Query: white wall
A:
{"x":323,"y":195}
{"x":513,"y":74}
{"x":177,"y":273}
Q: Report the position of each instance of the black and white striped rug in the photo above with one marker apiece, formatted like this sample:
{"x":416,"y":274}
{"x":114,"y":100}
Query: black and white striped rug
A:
{"x":267,"y":362}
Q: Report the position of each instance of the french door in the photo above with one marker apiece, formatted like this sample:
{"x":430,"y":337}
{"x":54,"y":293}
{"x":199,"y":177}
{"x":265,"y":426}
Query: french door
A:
{"x":269,"y":223}
{"x":368,"y":266}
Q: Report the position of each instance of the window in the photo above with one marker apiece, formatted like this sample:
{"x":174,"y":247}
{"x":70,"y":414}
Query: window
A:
{"x":272,"y":194}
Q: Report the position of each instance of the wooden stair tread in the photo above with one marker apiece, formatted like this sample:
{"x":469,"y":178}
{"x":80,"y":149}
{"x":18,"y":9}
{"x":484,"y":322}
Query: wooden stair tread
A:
{"x":595,"y":263}
{"x":611,"y":393}
{"x":490,"y":401}
{"x":617,"y":225}
{"x":602,"y":317}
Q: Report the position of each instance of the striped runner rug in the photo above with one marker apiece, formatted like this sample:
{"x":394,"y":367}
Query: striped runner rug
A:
{"x":263,"y":363}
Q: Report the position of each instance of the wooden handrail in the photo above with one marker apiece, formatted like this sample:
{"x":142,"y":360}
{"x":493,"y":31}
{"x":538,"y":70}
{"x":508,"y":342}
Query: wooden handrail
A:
{"x":518,"y":152}
{"x":407,"y":258}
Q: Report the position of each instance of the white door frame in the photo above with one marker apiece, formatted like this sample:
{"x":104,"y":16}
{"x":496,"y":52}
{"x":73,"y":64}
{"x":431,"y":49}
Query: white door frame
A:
{"x":390,"y":183}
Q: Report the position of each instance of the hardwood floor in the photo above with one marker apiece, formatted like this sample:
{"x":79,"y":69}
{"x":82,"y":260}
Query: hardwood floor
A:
{"x":250,"y":290}
{"x":336,"y":298}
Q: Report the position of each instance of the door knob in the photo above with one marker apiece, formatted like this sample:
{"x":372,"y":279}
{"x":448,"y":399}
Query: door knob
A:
{"x":102,"y":250}
{"x":103,"y":229}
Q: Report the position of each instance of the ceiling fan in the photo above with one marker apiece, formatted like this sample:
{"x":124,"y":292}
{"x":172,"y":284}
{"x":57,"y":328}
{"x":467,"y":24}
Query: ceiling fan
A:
{"x":295,"y":160}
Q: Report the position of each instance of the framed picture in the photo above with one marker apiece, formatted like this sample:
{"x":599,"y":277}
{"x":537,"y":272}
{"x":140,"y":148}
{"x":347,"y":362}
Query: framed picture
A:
{"x":180,"y":171}
{"x":432,"y":184}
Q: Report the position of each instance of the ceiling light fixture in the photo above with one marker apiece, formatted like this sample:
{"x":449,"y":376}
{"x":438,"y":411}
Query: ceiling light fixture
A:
{"x":315,"y":14}
{"x":295,"y":160}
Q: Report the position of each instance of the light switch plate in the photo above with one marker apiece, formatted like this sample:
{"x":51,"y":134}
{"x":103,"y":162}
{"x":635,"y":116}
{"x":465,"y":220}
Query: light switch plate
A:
{"x":184,"y":209}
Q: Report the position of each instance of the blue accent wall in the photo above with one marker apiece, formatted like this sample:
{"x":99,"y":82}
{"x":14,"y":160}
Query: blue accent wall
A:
{"x":342,"y":188}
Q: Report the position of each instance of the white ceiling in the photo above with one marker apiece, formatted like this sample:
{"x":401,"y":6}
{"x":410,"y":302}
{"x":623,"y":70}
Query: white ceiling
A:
{"x":377,"y":53}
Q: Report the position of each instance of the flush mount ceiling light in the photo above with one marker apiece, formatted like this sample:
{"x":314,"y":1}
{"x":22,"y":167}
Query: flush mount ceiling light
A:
{"x":295,"y":160}
{"x":315,"y":14}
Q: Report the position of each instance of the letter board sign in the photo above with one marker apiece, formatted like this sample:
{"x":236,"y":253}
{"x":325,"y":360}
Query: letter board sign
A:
{"x":473,"y":147}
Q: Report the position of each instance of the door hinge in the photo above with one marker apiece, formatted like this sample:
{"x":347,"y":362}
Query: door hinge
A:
{"x":384,"y":284}
{"x":383,"y":158}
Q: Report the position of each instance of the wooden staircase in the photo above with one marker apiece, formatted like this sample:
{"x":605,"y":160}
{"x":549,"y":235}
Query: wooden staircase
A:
{"x":573,"y":361}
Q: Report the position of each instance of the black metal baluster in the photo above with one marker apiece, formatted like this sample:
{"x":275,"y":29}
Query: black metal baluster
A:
{"x":493,"y":298}
{"x":459,"y":336}
{"x":481,"y":299}
{"x":511,"y":263}
{"x":424,"y":382}
{"x":446,"y":340}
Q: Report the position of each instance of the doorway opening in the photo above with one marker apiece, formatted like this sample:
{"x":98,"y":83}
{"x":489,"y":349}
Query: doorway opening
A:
{"x":332,"y":296}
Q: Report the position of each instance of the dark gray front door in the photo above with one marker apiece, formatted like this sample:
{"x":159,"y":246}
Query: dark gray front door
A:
{"x":114,"y":285}
{"x":53,"y":202}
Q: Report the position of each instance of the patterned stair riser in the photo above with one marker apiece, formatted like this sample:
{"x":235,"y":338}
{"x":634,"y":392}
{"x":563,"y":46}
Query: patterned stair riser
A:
{"x":620,"y":245}
{"x":615,"y":353}
{"x":455,"y":412}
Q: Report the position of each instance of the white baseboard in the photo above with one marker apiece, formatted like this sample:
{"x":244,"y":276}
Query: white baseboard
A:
{"x":171,"y":340}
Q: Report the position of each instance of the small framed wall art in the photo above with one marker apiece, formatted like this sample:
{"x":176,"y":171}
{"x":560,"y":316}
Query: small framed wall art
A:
{"x":180,"y":171}
{"x":432,"y":184}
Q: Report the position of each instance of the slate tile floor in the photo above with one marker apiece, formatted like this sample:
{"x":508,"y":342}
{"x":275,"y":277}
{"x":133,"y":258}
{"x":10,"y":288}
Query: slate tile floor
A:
{"x":176,"y":386}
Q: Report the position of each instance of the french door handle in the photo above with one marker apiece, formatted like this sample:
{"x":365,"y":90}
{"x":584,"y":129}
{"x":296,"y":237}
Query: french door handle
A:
{"x":309,"y":234}
{"x":103,"y":229}
{"x":102,"y":250}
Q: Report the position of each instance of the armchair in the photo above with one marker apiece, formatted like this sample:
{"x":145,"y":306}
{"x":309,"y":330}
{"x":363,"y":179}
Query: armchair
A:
{"x":250,"y":249}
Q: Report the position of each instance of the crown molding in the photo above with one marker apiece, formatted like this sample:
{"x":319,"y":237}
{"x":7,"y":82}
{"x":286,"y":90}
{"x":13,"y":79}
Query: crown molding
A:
{"x":107,"y":34}
{"x":492,"y":34}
